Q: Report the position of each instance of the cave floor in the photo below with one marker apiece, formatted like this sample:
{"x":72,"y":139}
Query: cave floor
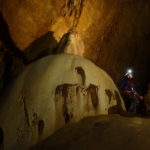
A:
{"x":112,"y":132}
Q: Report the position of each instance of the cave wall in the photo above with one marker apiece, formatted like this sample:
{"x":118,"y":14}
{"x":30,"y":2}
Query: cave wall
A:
{"x":51,"y":93}
{"x":114,"y":34}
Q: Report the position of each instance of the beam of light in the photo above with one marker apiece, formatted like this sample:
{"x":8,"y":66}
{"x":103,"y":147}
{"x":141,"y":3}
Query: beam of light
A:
{"x":129,"y":71}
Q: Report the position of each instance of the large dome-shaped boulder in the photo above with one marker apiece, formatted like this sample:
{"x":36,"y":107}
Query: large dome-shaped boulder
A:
{"x":51,"y":92}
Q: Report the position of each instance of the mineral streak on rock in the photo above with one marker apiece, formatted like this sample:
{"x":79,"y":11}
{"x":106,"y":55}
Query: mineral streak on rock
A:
{"x":26,"y":111}
{"x":109,"y":94}
{"x":81,"y":72}
{"x":93,"y":91}
{"x":115,"y":109}
{"x":65,"y":90}
{"x":40,"y":126}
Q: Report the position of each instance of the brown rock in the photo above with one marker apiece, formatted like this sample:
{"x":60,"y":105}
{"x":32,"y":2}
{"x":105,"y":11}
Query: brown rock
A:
{"x":51,"y":93}
{"x":115,"y":33}
{"x":111,"y":132}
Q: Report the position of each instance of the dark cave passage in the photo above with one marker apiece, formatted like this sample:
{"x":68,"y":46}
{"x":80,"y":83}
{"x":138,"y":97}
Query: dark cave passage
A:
{"x":63,"y":62}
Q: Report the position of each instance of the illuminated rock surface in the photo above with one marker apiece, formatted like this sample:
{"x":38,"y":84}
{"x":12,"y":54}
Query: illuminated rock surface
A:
{"x":115,"y":33}
{"x":101,"y":133}
{"x":52,"y":92}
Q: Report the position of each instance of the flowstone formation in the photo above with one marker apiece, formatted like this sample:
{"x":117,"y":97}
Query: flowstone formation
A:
{"x":114,"y":34}
{"x":109,"y":132}
{"x":52,"y":92}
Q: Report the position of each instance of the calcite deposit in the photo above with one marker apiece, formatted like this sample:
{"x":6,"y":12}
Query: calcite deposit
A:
{"x":114,"y":33}
{"x":52,"y":92}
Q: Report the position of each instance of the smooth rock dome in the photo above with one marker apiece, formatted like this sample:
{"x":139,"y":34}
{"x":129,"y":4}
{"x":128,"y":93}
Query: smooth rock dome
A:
{"x":51,"y":92}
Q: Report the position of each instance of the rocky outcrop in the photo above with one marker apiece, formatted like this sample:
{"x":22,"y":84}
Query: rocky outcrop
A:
{"x":111,"y":132}
{"x":71,"y":43}
{"x":36,"y":18}
{"x":41,"y":47}
{"x":114,"y":34}
{"x":10,"y":66}
{"x":52,"y":92}
{"x":12,"y":60}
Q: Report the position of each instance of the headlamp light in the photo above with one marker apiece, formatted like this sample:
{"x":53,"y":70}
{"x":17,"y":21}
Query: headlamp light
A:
{"x":129,"y":71}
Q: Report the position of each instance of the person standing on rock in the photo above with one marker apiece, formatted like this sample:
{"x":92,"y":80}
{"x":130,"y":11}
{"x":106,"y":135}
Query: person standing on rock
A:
{"x":130,"y":92}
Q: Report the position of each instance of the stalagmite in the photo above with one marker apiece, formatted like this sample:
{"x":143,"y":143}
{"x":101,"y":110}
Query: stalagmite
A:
{"x":52,"y":92}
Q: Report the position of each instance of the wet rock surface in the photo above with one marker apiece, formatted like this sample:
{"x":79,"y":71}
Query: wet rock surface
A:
{"x":114,"y":34}
{"x":53,"y":92}
{"x":112,"y":132}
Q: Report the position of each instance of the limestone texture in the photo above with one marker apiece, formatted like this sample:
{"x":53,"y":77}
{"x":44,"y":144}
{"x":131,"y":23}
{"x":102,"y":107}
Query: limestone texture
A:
{"x":53,"y":92}
{"x":111,"y":132}
{"x":114,"y":34}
